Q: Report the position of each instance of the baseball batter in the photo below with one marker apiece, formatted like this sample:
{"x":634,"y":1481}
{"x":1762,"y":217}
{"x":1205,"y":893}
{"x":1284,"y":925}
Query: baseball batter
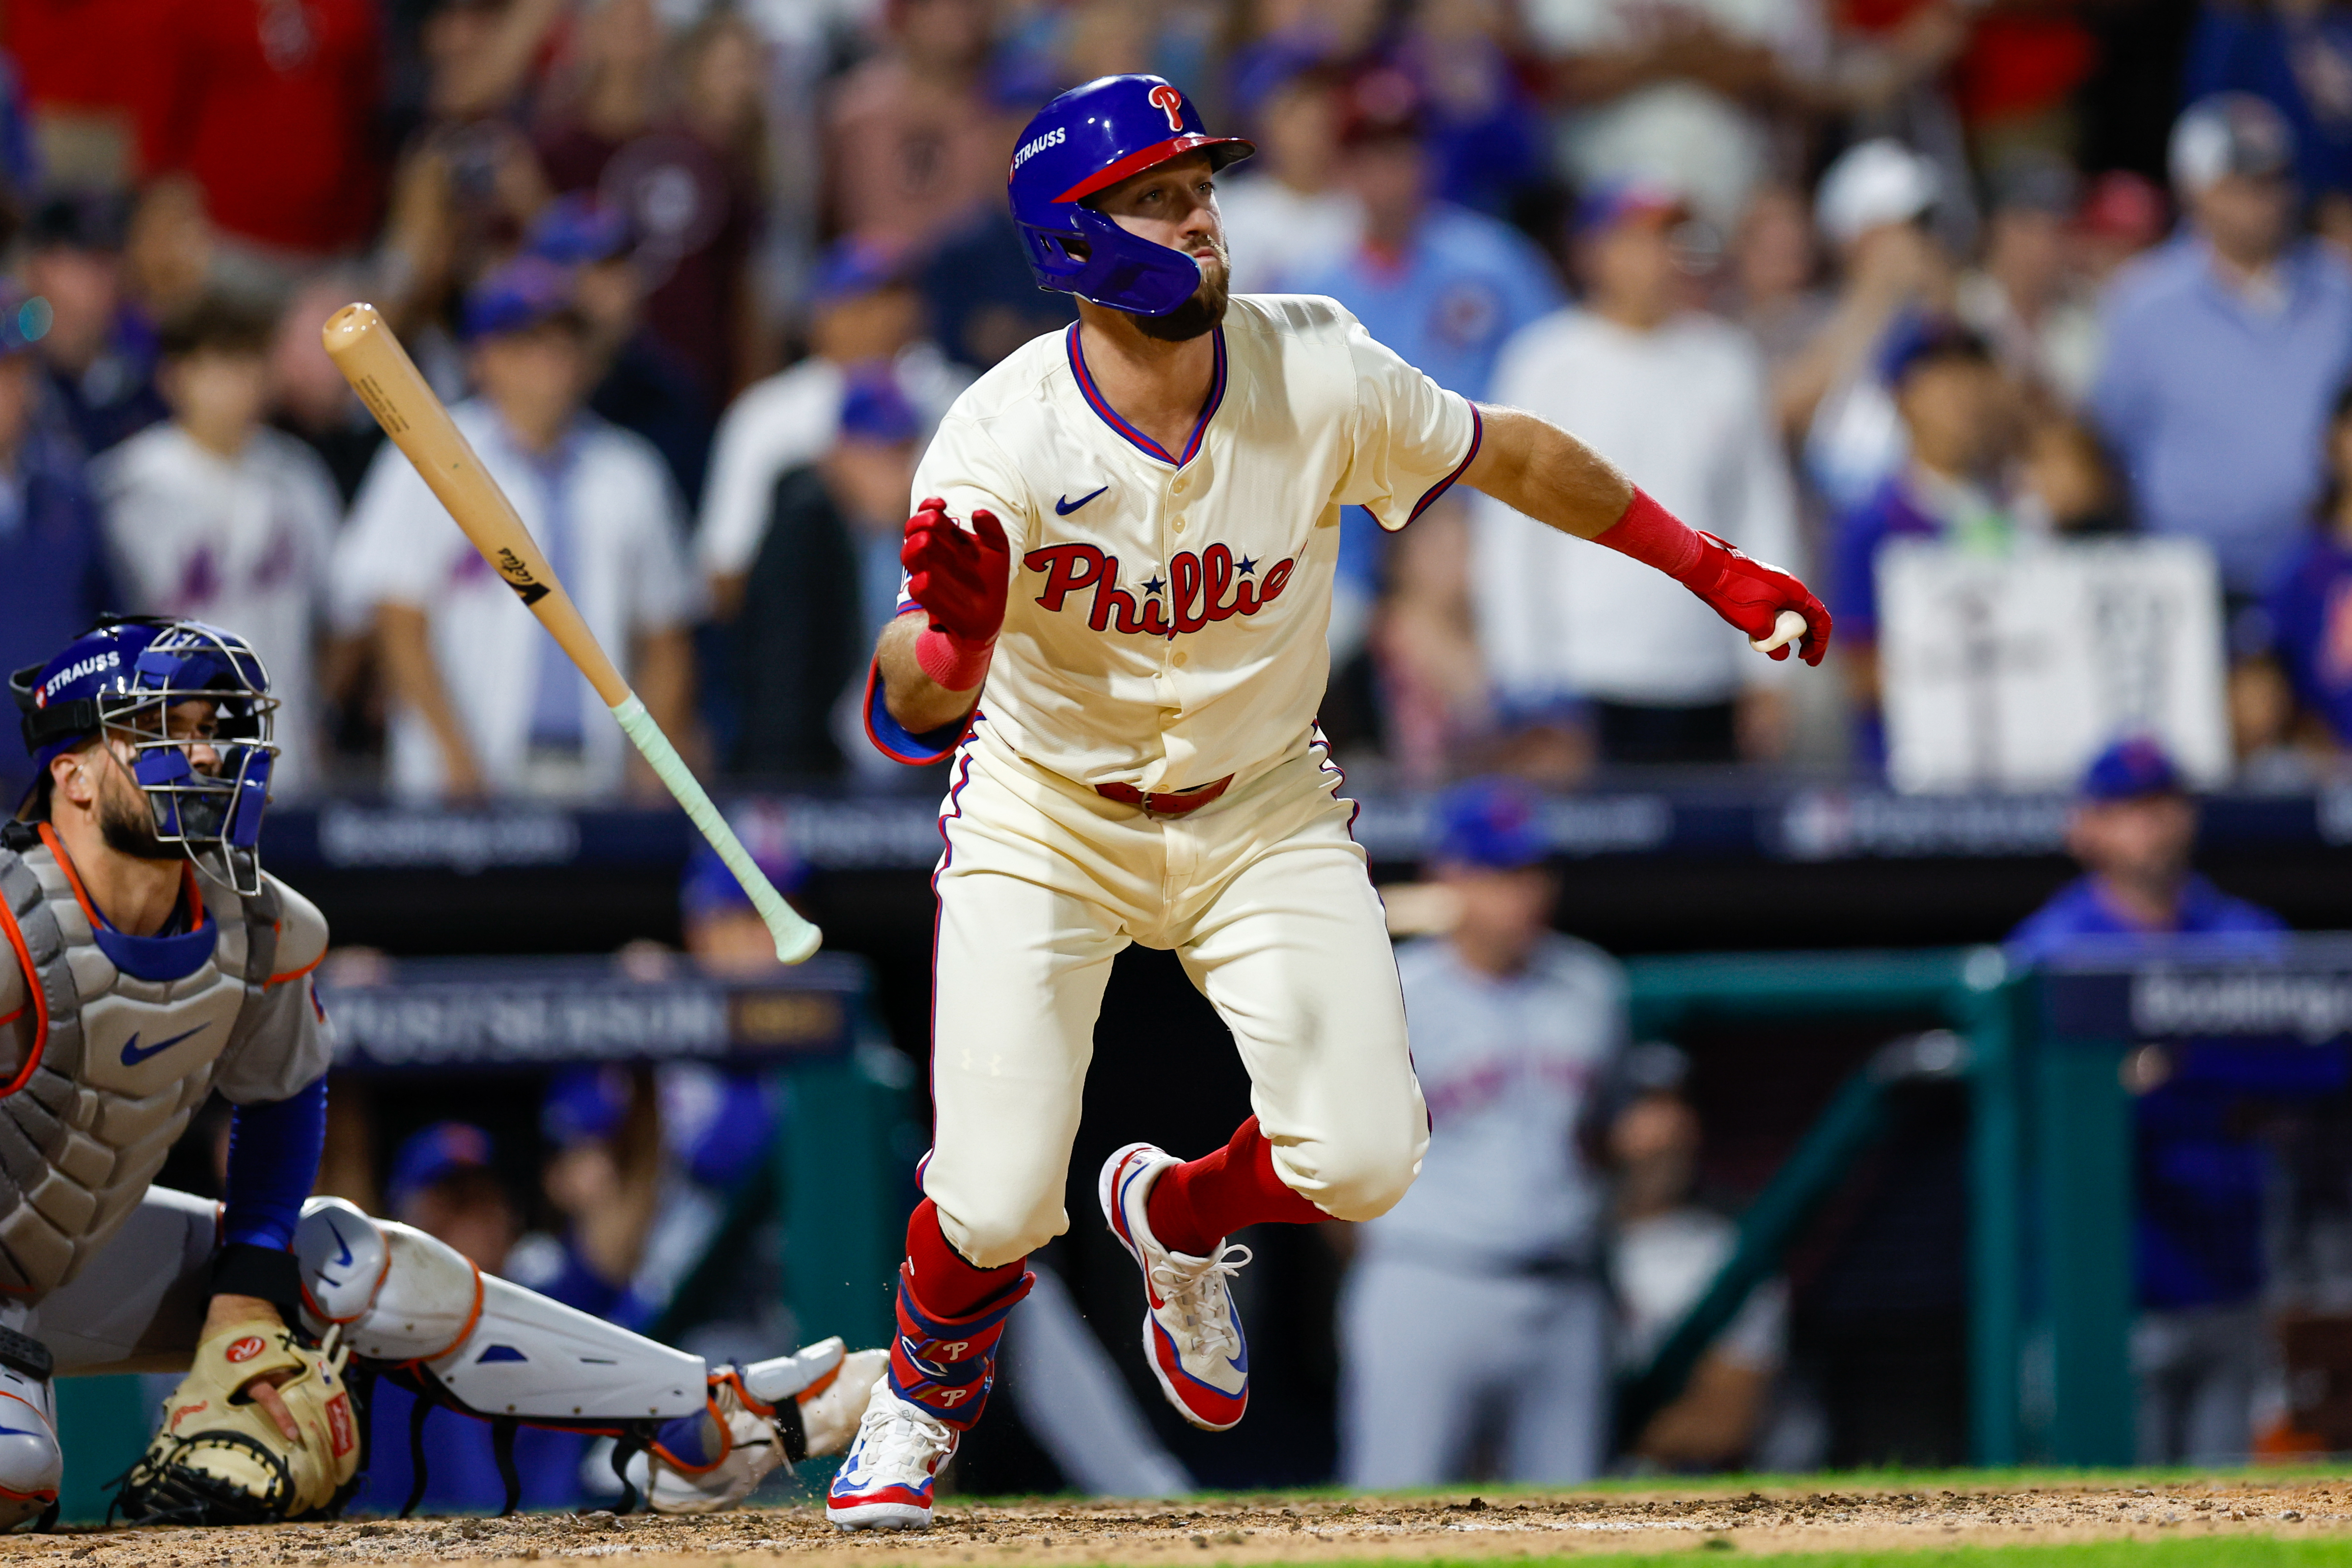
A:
{"x":1119,"y":580}
{"x":148,"y":960}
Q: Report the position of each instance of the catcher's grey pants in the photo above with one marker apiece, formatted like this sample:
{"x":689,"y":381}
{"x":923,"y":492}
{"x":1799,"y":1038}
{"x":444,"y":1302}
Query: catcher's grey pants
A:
{"x":139,"y":1305}
{"x":1433,"y":1359}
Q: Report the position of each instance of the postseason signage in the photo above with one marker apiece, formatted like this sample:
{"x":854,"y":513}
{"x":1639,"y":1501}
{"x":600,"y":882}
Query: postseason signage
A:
{"x":2010,"y":673}
{"x":436,"y":1015}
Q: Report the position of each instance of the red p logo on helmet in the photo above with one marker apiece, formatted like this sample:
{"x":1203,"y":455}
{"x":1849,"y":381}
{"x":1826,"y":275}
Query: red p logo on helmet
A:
{"x":1169,"y":103}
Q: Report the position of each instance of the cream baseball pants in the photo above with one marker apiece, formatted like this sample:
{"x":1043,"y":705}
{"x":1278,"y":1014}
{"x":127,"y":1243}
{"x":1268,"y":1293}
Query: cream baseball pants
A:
{"x":1264,"y":899}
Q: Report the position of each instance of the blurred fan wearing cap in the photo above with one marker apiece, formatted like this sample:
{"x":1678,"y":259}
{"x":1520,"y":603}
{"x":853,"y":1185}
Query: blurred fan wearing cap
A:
{"x":866,"y":319}
{"x":1875,"y":206}
{"x":1957,"y":416}
{"x":483,"y":701}
{"x":641,"y":383}
{"x":823,"y":586}
{"x":1460,"y":1311}
{"x":1675,"y":398}
{"x":445,"y":1182}
{"x":1285,"y":211}
{"x":51,"y":530}
{"x":2224,"y":351}
{"x":2026,"y":299}
{"x":1442,"y":286}
{"x":97,"y":347}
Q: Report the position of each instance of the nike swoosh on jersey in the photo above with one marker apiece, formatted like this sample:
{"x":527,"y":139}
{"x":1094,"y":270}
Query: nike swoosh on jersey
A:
{"x":132,"y":1055}
{"x":1064,"y":507}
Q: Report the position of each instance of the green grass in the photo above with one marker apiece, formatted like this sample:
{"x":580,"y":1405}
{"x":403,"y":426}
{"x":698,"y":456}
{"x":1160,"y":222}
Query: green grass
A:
{"x":1865,"y":1480}
{"x":2239,"y":1552}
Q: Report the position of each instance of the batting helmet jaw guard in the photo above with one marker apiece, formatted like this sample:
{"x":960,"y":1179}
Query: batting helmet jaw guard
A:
{"x":125,"y":675}
{"x":1084,"y":142}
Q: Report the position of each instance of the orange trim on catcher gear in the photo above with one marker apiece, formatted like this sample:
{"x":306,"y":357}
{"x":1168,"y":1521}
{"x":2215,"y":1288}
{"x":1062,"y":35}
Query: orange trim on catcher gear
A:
{"x":726,"y":1438}
{"x":312,"y":1306}
{"x":73,"y":877}
{"x":296,"y":974}
{"x":472,"y":1318}
{"x":820,"y":1385}
{"x":34,"y":999}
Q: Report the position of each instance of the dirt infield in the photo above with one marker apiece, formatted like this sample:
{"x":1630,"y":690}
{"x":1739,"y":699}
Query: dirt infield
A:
{"x":1267,"y":1528}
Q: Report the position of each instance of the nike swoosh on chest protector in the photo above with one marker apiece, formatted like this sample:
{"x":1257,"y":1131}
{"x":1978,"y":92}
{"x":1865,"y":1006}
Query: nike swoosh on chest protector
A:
{"x":1064,"y":507}
{"x":133,"y":1054}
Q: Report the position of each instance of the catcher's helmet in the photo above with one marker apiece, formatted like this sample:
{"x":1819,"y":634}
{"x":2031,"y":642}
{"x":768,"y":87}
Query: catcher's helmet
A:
{"x":1084,"y":142}
{"x":122,"y":675}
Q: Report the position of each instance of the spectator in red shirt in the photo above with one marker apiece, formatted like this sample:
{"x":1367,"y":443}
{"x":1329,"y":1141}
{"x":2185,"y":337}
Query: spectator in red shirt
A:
{"x":913,"y":146}
{"x":272,"y":106}
{"x":686,"y":179}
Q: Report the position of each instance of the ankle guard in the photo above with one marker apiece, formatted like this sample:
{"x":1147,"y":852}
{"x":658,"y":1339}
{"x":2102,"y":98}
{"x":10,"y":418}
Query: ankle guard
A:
{"x":948,"y":1364}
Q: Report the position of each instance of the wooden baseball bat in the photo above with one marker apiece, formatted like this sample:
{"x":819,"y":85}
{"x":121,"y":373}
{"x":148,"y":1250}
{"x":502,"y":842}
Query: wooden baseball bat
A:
{"x":371,"y":357}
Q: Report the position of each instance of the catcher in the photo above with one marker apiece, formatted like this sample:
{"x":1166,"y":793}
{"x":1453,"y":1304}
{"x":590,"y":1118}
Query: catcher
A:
{"x":149,"y":962}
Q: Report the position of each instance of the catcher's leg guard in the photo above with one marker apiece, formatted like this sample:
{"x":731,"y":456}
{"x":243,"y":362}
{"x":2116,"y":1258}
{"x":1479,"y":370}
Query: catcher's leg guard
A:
{"x":31,"y":1464}
{"x":493,"y":1349}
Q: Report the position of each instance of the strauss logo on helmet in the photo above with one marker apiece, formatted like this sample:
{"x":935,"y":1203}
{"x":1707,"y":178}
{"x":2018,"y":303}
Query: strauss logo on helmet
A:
{"x":1169,"y":103}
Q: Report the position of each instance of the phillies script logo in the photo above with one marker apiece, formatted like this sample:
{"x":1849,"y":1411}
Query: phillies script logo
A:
{"x":1200,"y":590}
{"x":244,"y":1350}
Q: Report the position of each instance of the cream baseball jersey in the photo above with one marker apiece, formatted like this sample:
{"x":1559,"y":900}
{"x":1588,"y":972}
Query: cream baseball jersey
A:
{"x":1166,"y":620}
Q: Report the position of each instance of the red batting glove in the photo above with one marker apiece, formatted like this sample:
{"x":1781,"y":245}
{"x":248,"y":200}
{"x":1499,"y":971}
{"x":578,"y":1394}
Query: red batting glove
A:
{"x":960,"y":578}
{"x":1747,"y":593}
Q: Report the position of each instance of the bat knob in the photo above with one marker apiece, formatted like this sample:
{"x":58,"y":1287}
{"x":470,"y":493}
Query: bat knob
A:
{"x":1787,"y":628}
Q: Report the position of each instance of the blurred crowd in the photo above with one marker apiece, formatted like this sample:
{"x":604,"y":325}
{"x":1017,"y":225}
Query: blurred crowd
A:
{"x":1818,"y":273}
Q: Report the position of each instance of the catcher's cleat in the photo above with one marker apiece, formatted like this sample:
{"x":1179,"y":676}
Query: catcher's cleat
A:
{"x":30,"y":1461}
{"x":1191,"y":1337}
{"x":220,"y":1459}
{"x":885,"y":1482}
{"x":770,"y":1414}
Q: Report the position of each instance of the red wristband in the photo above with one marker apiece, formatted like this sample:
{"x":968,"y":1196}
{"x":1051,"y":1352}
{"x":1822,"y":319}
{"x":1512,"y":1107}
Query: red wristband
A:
{"x":951,"y":662}
{"x":1654,"y":536}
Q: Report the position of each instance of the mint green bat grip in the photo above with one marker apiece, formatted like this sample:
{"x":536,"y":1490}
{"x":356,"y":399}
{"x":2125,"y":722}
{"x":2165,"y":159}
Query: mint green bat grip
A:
{"x":796,"y":938}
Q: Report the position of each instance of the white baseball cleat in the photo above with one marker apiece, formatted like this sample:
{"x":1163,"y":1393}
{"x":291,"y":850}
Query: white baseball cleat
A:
{"x":1190,"y":1335}
{"x":885,"y":1482}
{"x":771,"y":1412}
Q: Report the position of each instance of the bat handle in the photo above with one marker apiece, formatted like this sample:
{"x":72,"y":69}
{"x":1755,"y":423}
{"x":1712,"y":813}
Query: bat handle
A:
{"x":1787,"y":627}
{"x":796,"y":938}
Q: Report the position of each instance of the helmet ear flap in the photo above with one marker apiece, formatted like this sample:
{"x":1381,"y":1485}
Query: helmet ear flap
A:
{"x":1120,"y":270}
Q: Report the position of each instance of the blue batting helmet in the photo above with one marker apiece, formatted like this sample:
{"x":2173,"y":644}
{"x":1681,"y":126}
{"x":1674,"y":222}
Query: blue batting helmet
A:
{"x":124,"y":675}
{"x":1086,"y":142}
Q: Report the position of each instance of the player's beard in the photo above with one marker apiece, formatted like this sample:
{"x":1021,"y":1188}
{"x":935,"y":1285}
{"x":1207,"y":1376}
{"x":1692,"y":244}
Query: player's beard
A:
{"x":1201,"y":313}
{"x":127,"y":823}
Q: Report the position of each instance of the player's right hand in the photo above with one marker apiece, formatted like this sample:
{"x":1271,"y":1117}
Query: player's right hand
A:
{"x":1751,"y":595}
{"x":958,"y":576}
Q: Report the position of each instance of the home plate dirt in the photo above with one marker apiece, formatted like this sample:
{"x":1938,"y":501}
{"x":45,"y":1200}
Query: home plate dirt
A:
{"x":1239,"y":1530}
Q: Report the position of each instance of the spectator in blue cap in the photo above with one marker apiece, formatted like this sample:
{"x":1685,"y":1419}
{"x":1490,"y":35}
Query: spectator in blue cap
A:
{"x":1471,"y":1323}
{"x":641,"y":384}
{"x":823,"y":586}
{"x":52,"y":544}
{"x":866,"y":319}
{"x":600,"y":503}
{"x":2197,"y":1348}
{"x":1956,"y":415}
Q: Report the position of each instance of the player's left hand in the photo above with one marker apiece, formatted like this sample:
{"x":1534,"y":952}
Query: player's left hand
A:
{"x":221,"y":1456}
{"x":1751,"y":596}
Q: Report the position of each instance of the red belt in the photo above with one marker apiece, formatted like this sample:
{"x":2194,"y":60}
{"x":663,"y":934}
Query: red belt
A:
{"x":1168,"y":803}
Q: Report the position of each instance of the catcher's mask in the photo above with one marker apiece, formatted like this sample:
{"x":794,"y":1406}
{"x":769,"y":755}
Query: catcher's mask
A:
{"x":156,"y":686}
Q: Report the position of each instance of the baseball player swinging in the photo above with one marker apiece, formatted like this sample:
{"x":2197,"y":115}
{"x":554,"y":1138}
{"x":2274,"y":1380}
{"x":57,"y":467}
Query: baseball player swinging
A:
{"x":1123,"y":562}
{"x":148,"y":961}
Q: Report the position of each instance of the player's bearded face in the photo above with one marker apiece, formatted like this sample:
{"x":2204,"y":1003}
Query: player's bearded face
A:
{"x":1206,"y":308}
{"x":125,"y":820}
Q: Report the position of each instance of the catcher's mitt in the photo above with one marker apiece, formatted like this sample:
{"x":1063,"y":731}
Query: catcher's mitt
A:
{"x":220,"y":1459}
